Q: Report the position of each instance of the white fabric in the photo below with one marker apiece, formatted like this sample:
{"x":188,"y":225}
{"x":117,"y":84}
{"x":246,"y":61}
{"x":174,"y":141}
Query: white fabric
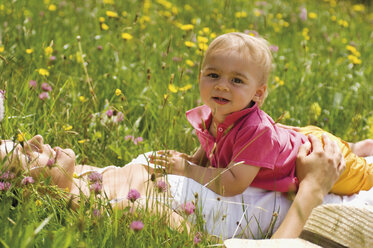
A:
{"x":247,"y":215}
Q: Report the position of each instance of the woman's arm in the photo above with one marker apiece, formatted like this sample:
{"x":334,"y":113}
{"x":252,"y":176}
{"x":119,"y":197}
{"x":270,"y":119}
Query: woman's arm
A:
{"x":317,"y":169}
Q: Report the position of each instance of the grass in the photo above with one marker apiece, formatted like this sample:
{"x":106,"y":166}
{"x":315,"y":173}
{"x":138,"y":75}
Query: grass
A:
{"x":322,"y":75}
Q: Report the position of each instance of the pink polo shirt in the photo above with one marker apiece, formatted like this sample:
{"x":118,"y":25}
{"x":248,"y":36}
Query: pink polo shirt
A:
{"x":250,"y":136}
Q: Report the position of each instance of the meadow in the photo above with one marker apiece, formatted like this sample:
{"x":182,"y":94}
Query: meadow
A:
{"x":112,"y":79}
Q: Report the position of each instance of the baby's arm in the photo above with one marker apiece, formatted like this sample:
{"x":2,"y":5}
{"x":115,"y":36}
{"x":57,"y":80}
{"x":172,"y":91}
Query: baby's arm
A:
{"x":199,"y":157}
{"x":228,"y":181}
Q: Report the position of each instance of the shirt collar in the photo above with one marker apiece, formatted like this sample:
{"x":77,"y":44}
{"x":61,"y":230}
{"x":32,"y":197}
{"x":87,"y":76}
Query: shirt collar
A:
{"x":200,"y":117}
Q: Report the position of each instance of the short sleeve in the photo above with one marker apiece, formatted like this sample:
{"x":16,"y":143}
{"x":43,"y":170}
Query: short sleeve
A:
{"x":256,"y":146}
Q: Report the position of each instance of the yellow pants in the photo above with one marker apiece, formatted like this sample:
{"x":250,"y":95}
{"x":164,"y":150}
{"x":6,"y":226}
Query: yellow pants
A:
{"x":358,"y":174}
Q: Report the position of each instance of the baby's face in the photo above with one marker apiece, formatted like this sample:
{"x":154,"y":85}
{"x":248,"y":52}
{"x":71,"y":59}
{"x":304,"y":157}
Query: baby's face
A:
{"x":34,"y":153}
{"x":229,"y":82}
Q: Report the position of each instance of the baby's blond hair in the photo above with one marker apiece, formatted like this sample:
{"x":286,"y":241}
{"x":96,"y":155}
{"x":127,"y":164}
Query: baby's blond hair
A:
{"x":256,"y":48}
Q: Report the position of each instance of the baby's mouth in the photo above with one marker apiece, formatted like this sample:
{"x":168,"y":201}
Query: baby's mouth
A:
{"x":220,"y":99}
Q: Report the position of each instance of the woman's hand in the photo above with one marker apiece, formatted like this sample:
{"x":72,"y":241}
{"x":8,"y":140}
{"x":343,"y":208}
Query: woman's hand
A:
{"x":319,"y":166}
{"x":174,"y":162}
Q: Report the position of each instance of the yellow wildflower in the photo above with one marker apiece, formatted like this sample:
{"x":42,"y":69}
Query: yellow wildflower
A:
{"x":118,"y":92}
{"x":334,"y":18}
{"x":38,"y":203}
{"x":82,"y":141}
{"x":67,"y":127}
{"x":312,"y":15}
{"x":48,"y":51}
{"x":189,"y":44}
{"x":344,"y":40}
{"x":108,"y":2}
{"x":52,"y":7}
{"x":97,"y":135}
{"x":187,"y":7}
{"x":101,"y":19}
{"x":2,"y":7}
{"x":175,"y":10}
{"x":104,"y":26}
{"x":189,"y":62}
{"x":358,"y":7}
{"x":315,"y":111}
{"x":165,"y":3}
{"x":186,"y":87}
{"x":43,"y":72}
{"x":213,"y":35}
{"x":112,"y":14}
{"x":279,"y":16}
{"x":127,"y":36}
{"x":202,"y":46}
{"x":172,"y":88}
{"x":124,"y":13}
{"x":165,"y":96}
{"x":353,"y":59}
{"x":29,"y":50}
{"x":187,"y":27}
{"x":20,"y":137}
{"x":206,"y":30}
{"x":75,"y":175}
{"x":241,"y":14}
{"x":2,"y":48}
{"x":343,"y":23}
{"x":202,"y":39}
{"x":82,"y":99}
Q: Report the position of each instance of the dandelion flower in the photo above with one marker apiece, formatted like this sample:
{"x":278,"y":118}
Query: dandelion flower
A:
{"x":67,"y":127}
{"x":312,"y":15}
{"x":29,"y":50}
{"x":187,"y":27}
{"x":38,"y":203}
{"x":104,"y":26}
{"x":127,"y":36}
{"x":172,"y":88}
{"x":189,"y":44}
{"x":111,"y":14}
{"x":43,"y":72}
{"x":101,"y":19}
{"x":186,"y":87}
{"x":52,"y":7}
{"x":189,"y":62}
{"x":2,"y":48}
{"x":20,"y":137}
{"x":82,"y":99}
{"x":48,"y":51}
{"x":358,"y":7}
{"x":137,"y":225}
{"x":118,"y":92}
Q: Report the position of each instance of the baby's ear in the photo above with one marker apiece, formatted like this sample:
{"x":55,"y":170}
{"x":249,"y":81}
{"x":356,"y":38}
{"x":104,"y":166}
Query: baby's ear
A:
{"x":260,"y":93}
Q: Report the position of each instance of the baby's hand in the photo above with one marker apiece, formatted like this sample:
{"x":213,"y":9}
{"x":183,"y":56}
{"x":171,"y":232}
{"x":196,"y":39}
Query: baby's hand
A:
{"x":174,"y":162}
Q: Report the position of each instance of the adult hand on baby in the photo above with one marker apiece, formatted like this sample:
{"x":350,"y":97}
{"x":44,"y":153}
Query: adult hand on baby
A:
{"x":174,"y":162}
{"x":319,"y":167}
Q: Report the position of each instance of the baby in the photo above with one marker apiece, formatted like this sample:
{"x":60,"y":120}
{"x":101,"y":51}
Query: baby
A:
{"x":237,"y":135}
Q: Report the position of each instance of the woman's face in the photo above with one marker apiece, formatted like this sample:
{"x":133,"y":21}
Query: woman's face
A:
{"x":34,"y":153}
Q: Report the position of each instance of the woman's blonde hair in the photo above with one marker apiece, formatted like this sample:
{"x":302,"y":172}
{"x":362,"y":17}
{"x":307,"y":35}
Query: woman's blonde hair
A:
{"x":256,"y":48}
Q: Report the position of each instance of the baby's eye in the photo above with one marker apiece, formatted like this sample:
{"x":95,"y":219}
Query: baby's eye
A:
{"x":237,"y":81}
{"x":213,"y":75}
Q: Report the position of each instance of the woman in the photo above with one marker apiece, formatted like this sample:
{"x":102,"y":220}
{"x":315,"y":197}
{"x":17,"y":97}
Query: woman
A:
{"x":245,"y":215}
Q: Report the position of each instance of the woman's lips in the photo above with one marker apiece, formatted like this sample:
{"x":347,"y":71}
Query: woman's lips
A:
{"x":220,"y":100}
